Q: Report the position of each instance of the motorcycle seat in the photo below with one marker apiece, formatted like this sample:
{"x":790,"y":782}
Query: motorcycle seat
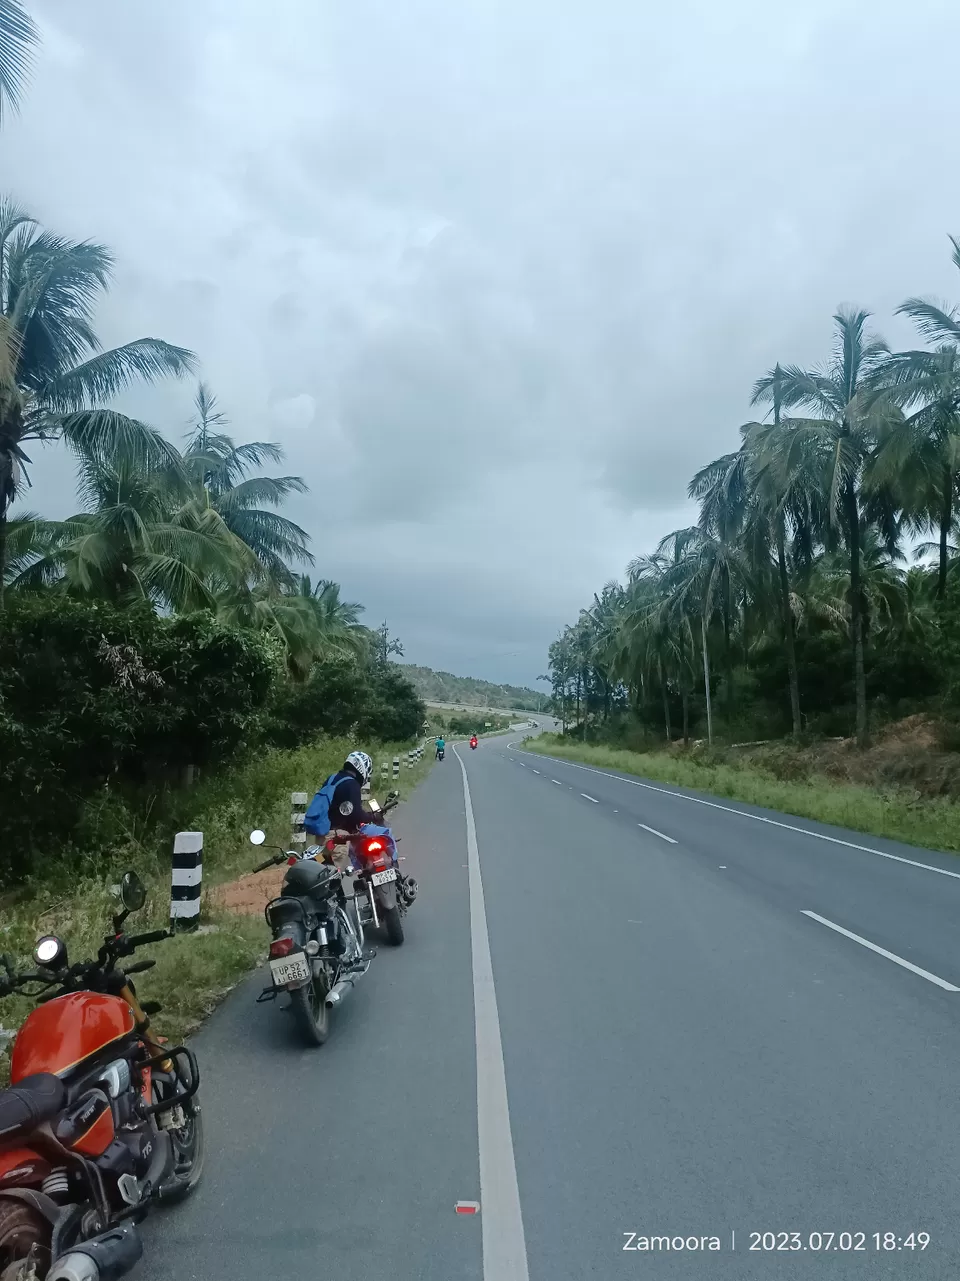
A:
{"x":29,"y":1103}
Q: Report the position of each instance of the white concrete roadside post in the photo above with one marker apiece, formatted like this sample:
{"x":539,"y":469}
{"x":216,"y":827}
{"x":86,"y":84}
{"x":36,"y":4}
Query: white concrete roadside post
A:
{"x":186,"y":879}
{"x":298,"y":811}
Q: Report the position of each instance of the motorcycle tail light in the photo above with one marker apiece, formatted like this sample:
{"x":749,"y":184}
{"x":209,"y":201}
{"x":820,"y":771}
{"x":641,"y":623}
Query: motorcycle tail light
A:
{"x":292,"y":860}
{"x":281,"y":947}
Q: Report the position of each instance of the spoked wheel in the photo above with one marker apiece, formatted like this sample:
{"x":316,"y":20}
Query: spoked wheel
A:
{"x":24,"y":1242}
{"x":309,"y":1006}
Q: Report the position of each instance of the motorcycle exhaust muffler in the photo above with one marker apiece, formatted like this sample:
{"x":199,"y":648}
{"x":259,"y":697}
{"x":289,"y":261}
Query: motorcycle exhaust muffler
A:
{"x":409,"y":889}
{"x":104,"y":1258}
{"x":338,"y":992}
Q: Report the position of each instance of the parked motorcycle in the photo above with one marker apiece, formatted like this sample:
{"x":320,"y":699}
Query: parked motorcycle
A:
{"x":317,"y":953}
{"x":102,"y":1117}
{"x":382,"y":894}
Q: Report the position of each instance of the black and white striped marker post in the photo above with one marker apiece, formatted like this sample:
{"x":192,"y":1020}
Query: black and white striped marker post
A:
{"x":384,"y":771}
{"x":298,"y":808}
{"x":396,"y":767}
{"x":186,"y":879}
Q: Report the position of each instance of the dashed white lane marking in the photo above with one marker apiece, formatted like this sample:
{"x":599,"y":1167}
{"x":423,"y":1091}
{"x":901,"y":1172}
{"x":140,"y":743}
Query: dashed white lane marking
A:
{"x":653,"y":832}
{"x":761,"y":818}
{"x":558,"y":783}
{"x":536,"y":771}
{"x":504,"y":1244}
{"x":882,"y":951}
{"x":589,"y":798}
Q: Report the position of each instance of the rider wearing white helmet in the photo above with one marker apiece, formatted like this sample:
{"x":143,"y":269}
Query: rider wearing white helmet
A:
{"x":346,"y":809}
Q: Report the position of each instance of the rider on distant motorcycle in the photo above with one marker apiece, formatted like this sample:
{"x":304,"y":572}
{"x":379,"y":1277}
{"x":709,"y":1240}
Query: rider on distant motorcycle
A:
{"x":441,"y":747}
{"x":339,"y":802}
{"x":473,"y":740}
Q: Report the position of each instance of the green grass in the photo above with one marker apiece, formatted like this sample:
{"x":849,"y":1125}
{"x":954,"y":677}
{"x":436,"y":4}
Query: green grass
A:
{"x":930,"y":822}
{"x":194,"y":970}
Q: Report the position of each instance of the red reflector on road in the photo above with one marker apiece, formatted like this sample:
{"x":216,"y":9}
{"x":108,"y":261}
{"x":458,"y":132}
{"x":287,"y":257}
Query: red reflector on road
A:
{"x":467,"y":1207}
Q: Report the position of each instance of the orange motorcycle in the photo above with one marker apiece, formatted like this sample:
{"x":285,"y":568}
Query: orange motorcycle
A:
{"x":101,"y":1119}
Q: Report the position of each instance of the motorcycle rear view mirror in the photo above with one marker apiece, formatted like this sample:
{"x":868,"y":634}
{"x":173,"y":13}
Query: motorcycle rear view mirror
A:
{"x":375,"y":806}
{"x":133,"y":893}
{"x":257,"y":837}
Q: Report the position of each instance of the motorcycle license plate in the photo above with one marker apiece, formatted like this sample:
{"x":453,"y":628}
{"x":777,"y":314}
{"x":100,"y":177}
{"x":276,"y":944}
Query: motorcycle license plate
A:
{"x":381,"y":878}
{"x":290,"y":969}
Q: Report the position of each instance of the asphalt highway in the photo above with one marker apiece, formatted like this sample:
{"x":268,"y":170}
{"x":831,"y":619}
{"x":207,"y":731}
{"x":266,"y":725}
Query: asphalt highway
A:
{"x":650,"y":1033}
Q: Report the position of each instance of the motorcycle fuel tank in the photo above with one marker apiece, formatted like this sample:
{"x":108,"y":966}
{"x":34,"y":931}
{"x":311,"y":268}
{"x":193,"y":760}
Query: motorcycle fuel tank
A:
{"x":62,"y":1033}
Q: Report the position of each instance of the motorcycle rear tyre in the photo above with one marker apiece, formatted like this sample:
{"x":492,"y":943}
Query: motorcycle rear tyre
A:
{"x":313,"y":1023}
{"x":393,"y":924}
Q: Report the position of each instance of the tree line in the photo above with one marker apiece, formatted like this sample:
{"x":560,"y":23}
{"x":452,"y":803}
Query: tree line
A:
{"x":443,"y":687}
{"x":792,"y":604}
{"x":171,"y":621}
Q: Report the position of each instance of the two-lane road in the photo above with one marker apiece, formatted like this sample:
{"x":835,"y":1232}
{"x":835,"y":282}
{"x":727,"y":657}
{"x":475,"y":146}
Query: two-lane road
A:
{"x":665,"y":1044}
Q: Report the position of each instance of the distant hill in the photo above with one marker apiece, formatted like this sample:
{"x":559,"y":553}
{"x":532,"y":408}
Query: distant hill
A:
{"x":442,"y":687}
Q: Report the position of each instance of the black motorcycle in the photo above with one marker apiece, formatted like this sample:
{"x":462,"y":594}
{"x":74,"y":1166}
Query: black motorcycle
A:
{"x":381,"y":893}
{"x":317,"y":952}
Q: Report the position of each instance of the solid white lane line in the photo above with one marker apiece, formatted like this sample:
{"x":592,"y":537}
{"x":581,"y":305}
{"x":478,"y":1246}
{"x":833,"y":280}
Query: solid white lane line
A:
{"x":653,"y":831}
{"x":882,"y":951}
{"x":589,"y":798}
{"x":760,"y":818}
{"x":504,"y":1244}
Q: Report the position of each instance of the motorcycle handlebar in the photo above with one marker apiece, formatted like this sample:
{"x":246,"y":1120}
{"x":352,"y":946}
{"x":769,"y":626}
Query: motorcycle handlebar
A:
{"x":273,"y":861}
{"x":139,"y":967}
{"x":153,"y":936}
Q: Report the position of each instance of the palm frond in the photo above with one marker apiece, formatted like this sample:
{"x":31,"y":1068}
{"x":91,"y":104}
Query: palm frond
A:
{"x":18,"y":36}
{"x":937,"y":321}
{"x":107,"y":374}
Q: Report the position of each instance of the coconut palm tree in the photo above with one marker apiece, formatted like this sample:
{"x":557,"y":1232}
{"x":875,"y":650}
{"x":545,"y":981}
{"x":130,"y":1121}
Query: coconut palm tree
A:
{"x":937,"y":321}
{"x":918,"y":456}
{"x":18,"y":35}
{"x":723,"y":488}
{"x":55,"y":382}
{"x":790,"y":512}
{"x":338,"y":620}
{"x":826,"y":453}
{"x":221,"y":468}
{"x":137,"y":540}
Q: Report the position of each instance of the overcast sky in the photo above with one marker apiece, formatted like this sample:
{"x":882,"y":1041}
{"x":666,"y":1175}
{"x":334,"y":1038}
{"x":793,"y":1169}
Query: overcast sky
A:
{"x":498,"y":274}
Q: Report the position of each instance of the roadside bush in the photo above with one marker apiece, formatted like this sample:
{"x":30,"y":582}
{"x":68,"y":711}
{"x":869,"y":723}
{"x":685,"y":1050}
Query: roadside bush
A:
{"x":104,"y":711}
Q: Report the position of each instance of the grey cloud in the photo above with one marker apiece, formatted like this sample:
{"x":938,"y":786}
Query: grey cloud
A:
{"x":498,"y":277}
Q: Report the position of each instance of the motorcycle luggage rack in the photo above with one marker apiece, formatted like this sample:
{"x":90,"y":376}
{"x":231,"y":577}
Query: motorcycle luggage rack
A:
{"x":188,"y":1091}
{"x":286,"y":899}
